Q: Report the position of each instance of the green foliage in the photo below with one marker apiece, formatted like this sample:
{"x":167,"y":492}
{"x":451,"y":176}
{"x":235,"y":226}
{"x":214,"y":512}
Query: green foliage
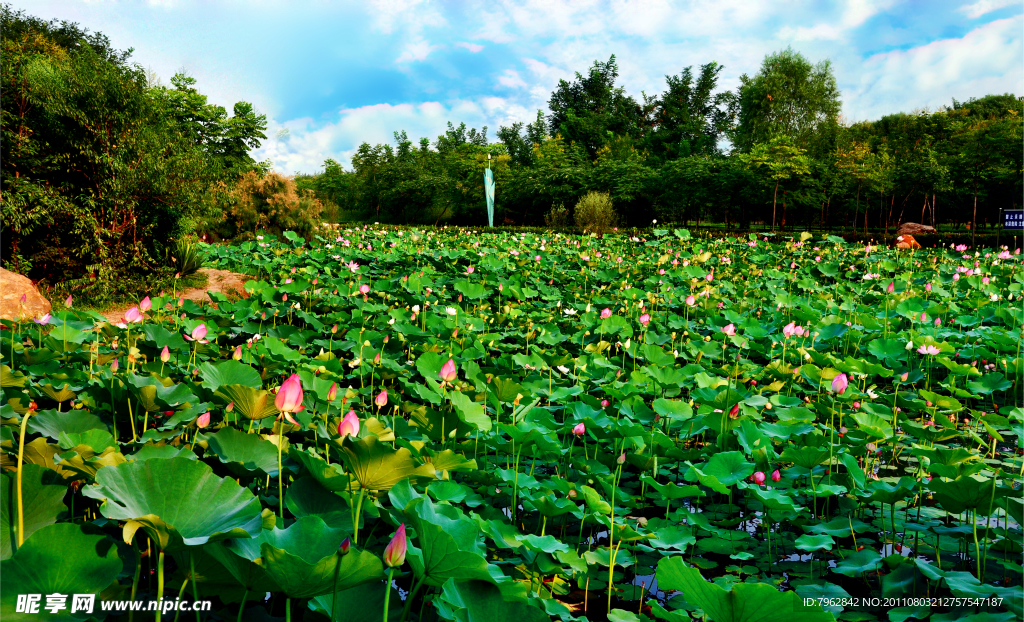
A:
{"x":559,"y":216}
{"x":595,"y":213}
{"x":253,"y":203}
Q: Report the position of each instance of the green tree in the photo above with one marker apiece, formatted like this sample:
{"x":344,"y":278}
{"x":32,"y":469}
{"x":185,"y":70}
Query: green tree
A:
{"x":779,"y":161}
{"x":689,"y":117}
{"x":788,"y":97}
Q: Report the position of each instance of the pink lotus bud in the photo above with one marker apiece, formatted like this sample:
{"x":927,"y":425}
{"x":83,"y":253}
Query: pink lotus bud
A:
{"x":621,"y":459}
{"x":364,"y":289}
{"x":856,"y":405}
{"x":349,"y":425}
{"x":501,"y":287}
{"x":165,"y":354}
{"x":928,"y":287}
{"x":645,"y":319}
{"x":237,"y":354}
{"x":346,"y":545}
{"x":729,"y":329}
{"x":604,"y":403}
{"x":68,"y":301}
{"x":924,"y":317}
{"x":839,"y":384}
{"x":230,"y":407}
{"x":938,"y":322}
{"x":145,"y":304}
{"x":776,"y":476}
{"x":690,"y":300}
{"x":382,"y":399}
{"x":203,"y":420}
{"x":198,"y":333}
{"x":905,"y":375}
{"x":891,"y":288}
{"x":114,"y":366}
{"x":448,"y":371}
{"x":606,"y":313}
{"x":758,"y":478}
{"x":332,"y":392}
{"x":334,"y":329}
{"x":735,"y":410}
{"x":289,"y":396}
{"x":394,"y":552}
{"x":579,"y":429}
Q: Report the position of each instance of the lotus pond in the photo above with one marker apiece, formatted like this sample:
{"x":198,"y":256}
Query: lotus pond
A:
{"x":456,"y":425}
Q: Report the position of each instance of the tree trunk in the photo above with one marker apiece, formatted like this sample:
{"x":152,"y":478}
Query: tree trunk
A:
{"x":856,"y":208}
{"x":775,"y":199}
{"x":974,"y":217}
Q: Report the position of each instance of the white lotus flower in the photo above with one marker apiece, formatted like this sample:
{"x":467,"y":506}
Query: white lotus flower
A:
{"x":450,"y":310}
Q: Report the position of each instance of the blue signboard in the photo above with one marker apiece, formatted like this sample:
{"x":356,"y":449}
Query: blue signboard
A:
{"x":1013,"y":219}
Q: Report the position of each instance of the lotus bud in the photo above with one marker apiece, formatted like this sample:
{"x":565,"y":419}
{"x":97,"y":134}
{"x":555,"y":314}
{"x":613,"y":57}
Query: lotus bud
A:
{"x":776,"y":476}
{"x":237,"y":354}
{"x":448,"y":371}
{"x":394,"y":552}
{"x":891,"y":288}
{"x":289,"y":396}
{"x":621,"y":459}
{"x":68,"y":301}
{"x":346,"y":546}
{"x":113,"y":366}
{"x":203,"y":420}
{"x":839,"y":384}
{"x":604,"y":403}
{"x":382,"y":399}
{"x":230,"y":407}
{"x":332,"y":393}
{"x":905,"y":375}
{"x":579,"y":429}
{"x":145,"y":304}
{"x":606,"y":313}
{"x":334,"y":329}
{"x":758,"y":478}
{"x":349,"y":425}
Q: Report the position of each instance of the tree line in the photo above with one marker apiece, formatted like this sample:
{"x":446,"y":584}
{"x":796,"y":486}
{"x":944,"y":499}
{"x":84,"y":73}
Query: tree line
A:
{"x":774,"y":152}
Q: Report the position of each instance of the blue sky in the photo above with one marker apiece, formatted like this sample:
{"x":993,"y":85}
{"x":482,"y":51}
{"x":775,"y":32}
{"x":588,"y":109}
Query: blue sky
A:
{"x":331,"y":75}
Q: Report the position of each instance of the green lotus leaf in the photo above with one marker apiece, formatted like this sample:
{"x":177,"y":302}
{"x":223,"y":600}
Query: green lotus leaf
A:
{"x":42,"y":492}
{"x":51,"y":423}
{"x":330,"y":476}
{"x":744,"y":602}
{"x":448,"y":460}
{"x":363,"y":603}
{"x":306,"y":497}
{"x":808,"y":542}
{"x":253,"y":404}
{"x":304,"y":558}
{"x":723,"y":470}
{"x":150,"y":495}
{"x":859,"y":563}
{"x":58,"y":559}
{"x":247,"y":452}
{"x":872,"y":425}
{"x":379,"y":467}
{"x":97,"y":440}
{"x":470,"y":412}
{"x":484,"y":602}
{"x":448,"y":544}
{"x":229,"y":372}
{"x":155,"y":393}
{"x":972,"y":492}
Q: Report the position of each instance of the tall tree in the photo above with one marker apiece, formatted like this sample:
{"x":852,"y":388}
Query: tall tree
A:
{"x":788,"y":97}
{"x":689,"y":117}
{"x":779,"y":161}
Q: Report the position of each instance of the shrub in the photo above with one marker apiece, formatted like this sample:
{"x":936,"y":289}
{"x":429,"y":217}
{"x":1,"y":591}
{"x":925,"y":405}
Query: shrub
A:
{"x":558,"y":216}
{"x":595,"y":213}
{"x":269,"y":202}
{"x":186,"y":257}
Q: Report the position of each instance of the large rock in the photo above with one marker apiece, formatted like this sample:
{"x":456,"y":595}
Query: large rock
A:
{"x":12,"y":287}
{"x":912,"y":228}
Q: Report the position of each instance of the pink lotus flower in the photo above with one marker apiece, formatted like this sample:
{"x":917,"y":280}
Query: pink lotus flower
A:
{"x":349,"y":425}
{"x":289,"y":397}
{"x":645,"y":319}
{"x":729,"y":329}
{"x":789,"y":329}
{"x":928,"y":349}
{"x":961,"y":248}
{"x":43,"y":321}
{"x":758,"y":478}
{"x":799,"y":331}
{"x":394,"y":552}
{"x":145,"y":304}
{"x":470,"y":270}
{"x":579,"y":429}
{"x":606,"y":313}
{"x":448,"y":371}
{"x":198,"y":334}
{"x":984,"y":280}
{"x":690,"y":300}
{"x":839,"y":384}
{"x":165,"y":354}
{"x":132,"y":316}
{"x":203,"y":420}
{"x":364,"y":289}
{"x":382,"y":399}
{"x":776,"y":476}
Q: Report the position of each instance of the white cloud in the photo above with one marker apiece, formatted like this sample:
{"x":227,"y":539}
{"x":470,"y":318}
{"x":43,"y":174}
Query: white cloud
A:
{"x":982,"y":7}
{"x":472,"y":47}
{"x":511,"y":80}
{"x":416,"y":51}
{"x":932,"y":75}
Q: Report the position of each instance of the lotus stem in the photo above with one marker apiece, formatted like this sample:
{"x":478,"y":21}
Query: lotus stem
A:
{"x":181,"y":591}
{"x":21,"y":470}
{"x":138,"y":574}
{"x":159,"y":582}
{"x":280,"y":486}
{"x":195,"y":588}
{"x":241,"y":606}
{"x":387,"y":593}
{"x":408,"y":599}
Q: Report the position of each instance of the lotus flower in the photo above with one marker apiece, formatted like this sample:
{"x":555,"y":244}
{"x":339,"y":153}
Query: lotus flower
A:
{"x":789,"y":329}
{"x":203,"y":420}
{"x":133,"y":316}
{"x":332,"y":392}
{"x":690,"y":300}
{"x":145,"y":304}
{"x":729,"y":329}
{"x":606,"y":313}
{"x":758,"y":478}
{"x":289,"y":396}
{"x":448,"y":371}
{"x":839,"y":384}
{"x":776,"y":476}
{"x":198,"y":334}
{"x":43,"y":321}
{"x":579,"y":429}
{"x":382,"y":399}
{"x":928,"y":349}
{"x":349,"y":425}
{"x":364,"y":289}
{"x":165,"y":354}
{"x":645,"y":319}
{"x":394,"y":552}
